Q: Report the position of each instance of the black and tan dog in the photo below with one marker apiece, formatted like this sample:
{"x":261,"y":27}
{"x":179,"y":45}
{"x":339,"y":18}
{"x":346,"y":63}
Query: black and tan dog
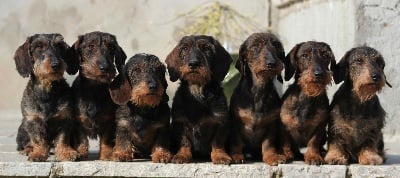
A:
{"x":46,"y":103}
{"x":255,"y":103}
{"x":143,"y":119}
{"x":199,"y":110}
{"x":356,"y":116}
{"x":94,"y":55}
{"x":305,"y":108}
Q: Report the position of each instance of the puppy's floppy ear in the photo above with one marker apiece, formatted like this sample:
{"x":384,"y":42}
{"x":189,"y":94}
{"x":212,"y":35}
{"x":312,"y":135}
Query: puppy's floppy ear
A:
{"x":120,"y":57}
{"x":172,"y":61}
{"x":73,"y":57}
{"x":333,"y":60}
{"x":241,"y":60}
{"x":222,"y":61}
{"x":291,"y":62}
{"x":120,"y":89}
{"x":281,"y":55}
{"x":341,"y":70}
{"x":23,"y":60}
{"x":164,"y":82}
{"x":387,"y":83}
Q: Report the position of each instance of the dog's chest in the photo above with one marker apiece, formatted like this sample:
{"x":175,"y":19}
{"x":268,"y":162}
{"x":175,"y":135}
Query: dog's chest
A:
{"x":302,"y":116}
{"x":356,"y":127}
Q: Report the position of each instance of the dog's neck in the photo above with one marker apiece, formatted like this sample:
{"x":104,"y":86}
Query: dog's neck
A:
{"x":257,"y":86}
{"x":44,"y":84}
{"x":196,"y":90}
{"x":349,"y":87}
{"x":87,"y":82}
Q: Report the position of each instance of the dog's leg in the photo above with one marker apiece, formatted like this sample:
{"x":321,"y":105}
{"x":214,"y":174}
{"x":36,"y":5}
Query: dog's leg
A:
{"x":36,"y":128}
{"x":236,"y":147}
{"x":268,"y":148}
{"x":184,"y":154}
{"x":218,"y":153}
{"x":123,"y":149}
{"x":161,"y":153}
{"x":107,"y":141}
{"x":313,"y":153}
{"x":286,"y":143}
{"x":63,"y":149}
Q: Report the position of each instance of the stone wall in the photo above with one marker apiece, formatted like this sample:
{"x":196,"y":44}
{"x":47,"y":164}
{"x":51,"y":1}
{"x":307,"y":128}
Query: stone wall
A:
{"x":149,"y":26}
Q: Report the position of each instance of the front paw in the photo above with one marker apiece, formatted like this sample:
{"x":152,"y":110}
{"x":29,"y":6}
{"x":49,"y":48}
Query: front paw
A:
{"x":313,"y":159}
{"x":67,"y":154}
{"x":38,"y":155}
{"x":335,"y":158}
{"x":181,"y":158}
{"x":370,"y":158}
{"x":220,"y":157}
{"x":237,"y":158}
{"x":161,"y":155}
{"x":122,"y":155}
{"x":274,"y":160}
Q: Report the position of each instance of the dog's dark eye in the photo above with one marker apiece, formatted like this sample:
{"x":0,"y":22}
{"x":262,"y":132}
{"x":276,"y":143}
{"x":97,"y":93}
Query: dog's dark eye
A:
{"x":207,"y":47}
{"x":185,"y":48}
{"x":137,"y":69}
{"x":91,"y":47}
{"x":304,"y":56}
{"x":255,"y":46}
{"x":358,"y":60}
{"x":325,"y":54}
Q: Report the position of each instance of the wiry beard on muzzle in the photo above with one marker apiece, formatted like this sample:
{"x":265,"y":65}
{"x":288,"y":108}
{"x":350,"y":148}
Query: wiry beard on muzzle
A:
{"x":312,"y":87}
{"x":199,"y":76}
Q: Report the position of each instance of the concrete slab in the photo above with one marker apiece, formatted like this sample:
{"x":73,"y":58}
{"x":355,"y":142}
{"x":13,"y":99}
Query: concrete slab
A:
{"x":359,"y":171}
{"x":20,"y":169}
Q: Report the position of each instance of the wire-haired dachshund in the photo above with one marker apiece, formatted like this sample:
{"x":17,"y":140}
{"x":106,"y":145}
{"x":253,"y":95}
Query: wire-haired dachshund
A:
{"x":94,"y":55}
{"x":199,"y":109}
{"x":356,"y":116}
{"x":305,"y":108}
{"x":255,"y":103}
{"x":46,"y":103}
{"x":143,"y":118}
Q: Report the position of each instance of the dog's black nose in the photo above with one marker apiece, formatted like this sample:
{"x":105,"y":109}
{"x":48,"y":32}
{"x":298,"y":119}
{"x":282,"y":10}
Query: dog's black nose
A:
{"x":103,"y":67}
{"x":152,"y":86}
{"x":271,"y":64}
{"x":375,"y":77}
{"x":318,"y":73}
{"x":55,"y":65}
{"x":194,"y":63}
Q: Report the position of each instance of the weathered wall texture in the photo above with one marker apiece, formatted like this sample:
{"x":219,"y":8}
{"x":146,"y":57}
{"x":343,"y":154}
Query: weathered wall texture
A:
{"x":345,"y":24}
{"x":148,"y":26}
{"x":378,"y":26}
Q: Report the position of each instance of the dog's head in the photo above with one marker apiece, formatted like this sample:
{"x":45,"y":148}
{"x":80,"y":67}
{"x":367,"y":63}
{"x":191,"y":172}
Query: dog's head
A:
{"x":94,"y":55}
{"x":42,"y":55}
{"x":309,"y":61}
{"x":198,"y":60}
{"x":142,"y":82}
{"x":261,"y":56}
{"x":363,"y":67}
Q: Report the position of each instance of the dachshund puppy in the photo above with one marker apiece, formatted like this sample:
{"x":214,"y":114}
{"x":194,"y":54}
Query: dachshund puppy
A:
{"x":46,"y":103}
{"x":356,"y":116}
{"x":304,"y":111}
{"x":199,"y":109}
{"x":255,"y":103}
{"x":94,"y":55}
{"x":143,"y":118}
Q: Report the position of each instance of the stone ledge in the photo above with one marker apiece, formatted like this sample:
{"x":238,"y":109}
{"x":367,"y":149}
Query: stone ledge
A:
{"x":148,"y":169}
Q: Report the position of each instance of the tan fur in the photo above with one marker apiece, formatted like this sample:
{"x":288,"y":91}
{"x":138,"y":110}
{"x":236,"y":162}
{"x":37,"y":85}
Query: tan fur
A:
{"x":142,"y":96}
